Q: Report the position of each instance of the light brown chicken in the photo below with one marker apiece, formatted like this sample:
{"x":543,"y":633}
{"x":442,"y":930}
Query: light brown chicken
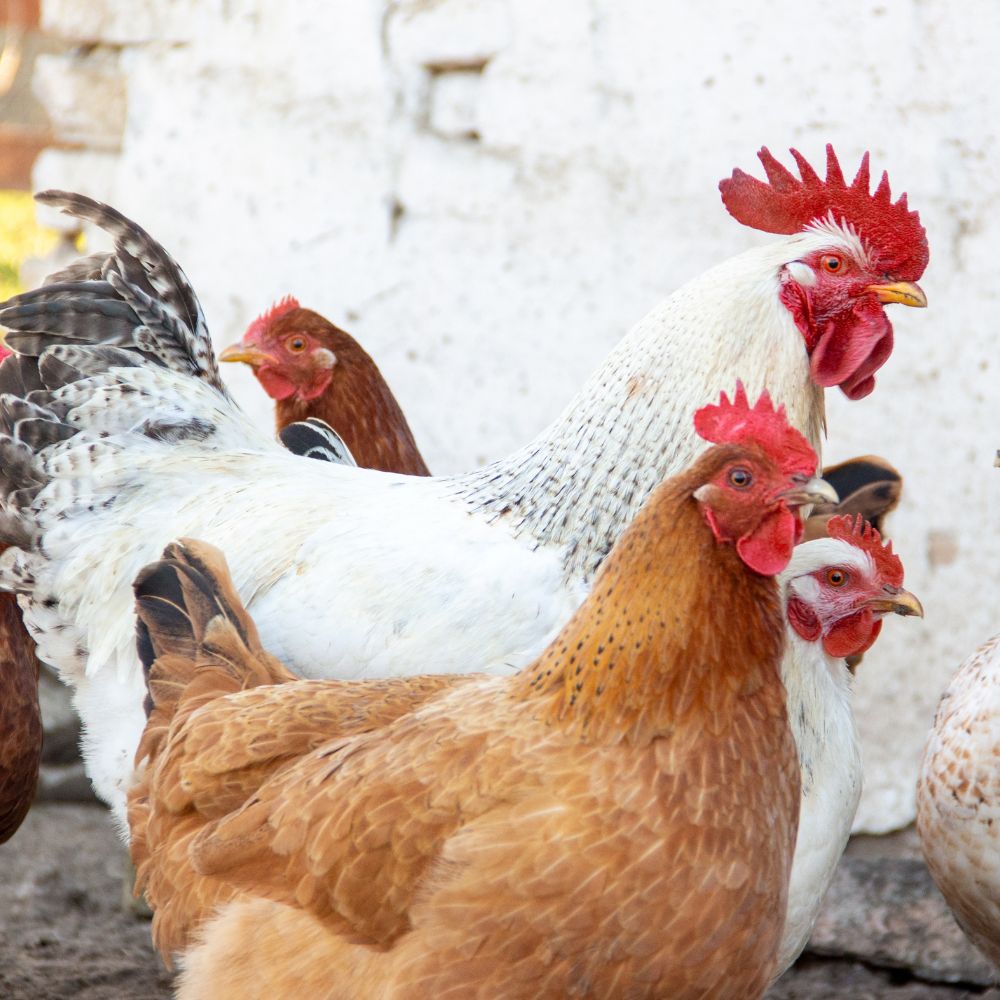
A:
{"x":616,"y":820}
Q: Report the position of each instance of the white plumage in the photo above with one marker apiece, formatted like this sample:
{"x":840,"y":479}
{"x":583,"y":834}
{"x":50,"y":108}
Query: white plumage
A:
{"x":350,"y":572}
{"x":958,"y":798}
{"x":818,"y":687}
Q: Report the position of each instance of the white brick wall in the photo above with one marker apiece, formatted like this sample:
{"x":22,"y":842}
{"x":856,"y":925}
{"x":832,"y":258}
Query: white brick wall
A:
{"x":489,"y":192}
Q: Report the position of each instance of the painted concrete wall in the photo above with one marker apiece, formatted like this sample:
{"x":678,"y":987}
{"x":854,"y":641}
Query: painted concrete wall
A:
{"x":488,"y":193}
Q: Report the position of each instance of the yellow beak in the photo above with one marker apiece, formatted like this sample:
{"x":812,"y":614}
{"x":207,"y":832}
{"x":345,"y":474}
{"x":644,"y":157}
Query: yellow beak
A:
{"x":907,"y":293}
{"x":900,"y":603}
{"x":252,"y":356}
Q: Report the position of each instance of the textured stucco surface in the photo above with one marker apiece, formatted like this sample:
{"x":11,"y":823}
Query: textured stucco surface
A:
{"x":488,"y":193}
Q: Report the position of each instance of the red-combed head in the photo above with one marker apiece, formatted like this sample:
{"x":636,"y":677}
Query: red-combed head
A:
{"x":289,"y":349}
{"x":765,"y":425}
{"x":836,"y":293}
{"x":841,"y":587}
{"x":754,"y":498}
{"x":5,"y":351}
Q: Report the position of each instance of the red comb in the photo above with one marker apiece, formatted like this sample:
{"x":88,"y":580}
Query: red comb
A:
{"x":279,"y":309}
{"x":862,"y":534}
{"x":785,"y":204}
{"x":738,"y":422}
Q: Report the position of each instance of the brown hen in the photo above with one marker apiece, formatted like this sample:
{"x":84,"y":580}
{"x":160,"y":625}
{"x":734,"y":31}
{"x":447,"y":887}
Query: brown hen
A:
{"x":616,"y":820}
{"x":312,"y":368}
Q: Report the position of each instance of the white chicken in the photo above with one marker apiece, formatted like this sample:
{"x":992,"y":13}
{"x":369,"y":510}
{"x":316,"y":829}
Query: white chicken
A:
{"x":349,"y":573}
{"x":836,"y":592}
{"x":958,"y":798}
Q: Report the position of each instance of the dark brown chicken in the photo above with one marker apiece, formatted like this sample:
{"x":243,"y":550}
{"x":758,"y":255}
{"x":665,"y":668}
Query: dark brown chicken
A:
{"x":312,"y":368}
{"x":20,"y":718}
{"x":20,"y":715}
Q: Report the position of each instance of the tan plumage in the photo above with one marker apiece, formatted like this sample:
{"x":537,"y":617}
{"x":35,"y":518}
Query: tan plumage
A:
{"x":206,"y":649}
{"x":616,"y":820}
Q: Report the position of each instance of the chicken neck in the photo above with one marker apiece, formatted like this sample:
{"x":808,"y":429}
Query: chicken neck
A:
{"x":676,"y":625}
{"x":581,"y":481}
{"x":363,"y":410}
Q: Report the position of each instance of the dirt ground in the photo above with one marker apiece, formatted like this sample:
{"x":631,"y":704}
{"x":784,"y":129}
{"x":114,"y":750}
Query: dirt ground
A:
{"x":64,"y":932}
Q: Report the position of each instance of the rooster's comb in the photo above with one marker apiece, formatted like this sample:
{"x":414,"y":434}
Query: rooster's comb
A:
{"x":863,"y":535}
{"x":785,"y":204}
{"x":738,"y":422}
{"x":279,"y":309}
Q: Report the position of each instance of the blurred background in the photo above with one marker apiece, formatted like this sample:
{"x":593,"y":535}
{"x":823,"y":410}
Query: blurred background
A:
{"x":489,"y":193}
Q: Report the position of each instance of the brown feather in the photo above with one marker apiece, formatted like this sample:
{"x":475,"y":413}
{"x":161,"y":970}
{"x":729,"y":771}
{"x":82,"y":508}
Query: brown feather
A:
{"x":358,"y":404}
{"x":20,"y":718}
{"x":868,"y":486}
{"x":617,"y":820}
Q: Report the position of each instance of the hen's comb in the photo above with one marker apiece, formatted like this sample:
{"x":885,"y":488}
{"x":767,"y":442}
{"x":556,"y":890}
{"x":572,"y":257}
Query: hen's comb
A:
{"x":280,"y":308}
{"x":786,"y":204}
{"x":738,"y":422}
{"x":863,"y":535}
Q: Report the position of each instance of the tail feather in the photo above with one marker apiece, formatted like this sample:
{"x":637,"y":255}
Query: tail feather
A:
{"x":189,"y":610}
{"x":868,"y":486}
{"x":89,"y":268}
{"x":19,"y":376}
{"x":149,"y":271}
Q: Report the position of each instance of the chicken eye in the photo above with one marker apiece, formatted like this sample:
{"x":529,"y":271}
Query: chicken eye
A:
{"x":836,"y":577}
{"x":295,"y":344}
{"x":832,"y":263}
{"x":740,"y":478}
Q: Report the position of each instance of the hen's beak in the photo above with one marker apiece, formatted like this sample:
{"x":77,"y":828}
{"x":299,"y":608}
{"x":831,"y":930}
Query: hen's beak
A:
{"x":896,"y":602}
{"x":907,"y":293}
{"x":807,"y":491}
{"x":252,"y":356}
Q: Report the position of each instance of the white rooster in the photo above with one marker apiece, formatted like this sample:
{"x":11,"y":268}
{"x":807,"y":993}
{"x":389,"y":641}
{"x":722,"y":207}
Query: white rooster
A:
{"x":130,"y":441}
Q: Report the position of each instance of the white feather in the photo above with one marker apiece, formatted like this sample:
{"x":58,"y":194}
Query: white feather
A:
{"x":353,"y":573}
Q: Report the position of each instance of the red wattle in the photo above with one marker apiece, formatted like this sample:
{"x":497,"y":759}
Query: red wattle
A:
{"x":275,"y":385}
{"x":851,"y":348}
{"x":803,"y":619}
{"x":768,"y":549}
{"x":852,"y":635}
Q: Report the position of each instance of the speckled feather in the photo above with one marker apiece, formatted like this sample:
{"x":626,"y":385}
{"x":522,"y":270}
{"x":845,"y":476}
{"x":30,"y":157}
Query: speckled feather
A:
{"x":958,"y":798}
{"x":370,"y":573}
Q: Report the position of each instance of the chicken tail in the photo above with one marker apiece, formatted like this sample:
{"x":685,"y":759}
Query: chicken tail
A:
{"x":194,"y":637}
{"x":868,"y":486}
{"x":134,"y":297}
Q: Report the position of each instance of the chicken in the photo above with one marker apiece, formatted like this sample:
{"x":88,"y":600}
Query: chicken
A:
{"x":836,"y":590}
{"x":20,"y":712}
{"x":312,"y":368}
{"x":958,"y":798}
{"x":363,"y":574}
{"x":20,"y":719}
{"x":616,"y":819}
{"x":835,"y":593}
